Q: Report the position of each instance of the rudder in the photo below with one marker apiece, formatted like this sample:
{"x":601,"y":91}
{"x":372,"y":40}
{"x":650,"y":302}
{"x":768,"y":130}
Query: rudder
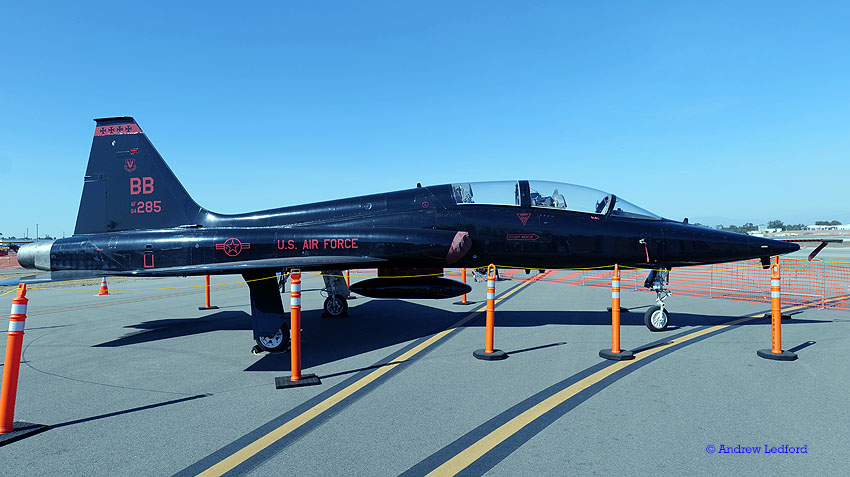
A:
{"x":128,"y":186}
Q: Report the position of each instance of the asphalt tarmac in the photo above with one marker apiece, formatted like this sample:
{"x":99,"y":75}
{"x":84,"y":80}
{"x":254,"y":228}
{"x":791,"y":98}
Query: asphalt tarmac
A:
{"x":141,"y":382}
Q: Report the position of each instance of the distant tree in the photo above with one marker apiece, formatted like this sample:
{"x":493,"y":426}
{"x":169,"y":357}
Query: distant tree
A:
{"x":795,"y":227}
{"x":775,"y":224}
{"x":741,"y":229}
{"x":827,"y":222}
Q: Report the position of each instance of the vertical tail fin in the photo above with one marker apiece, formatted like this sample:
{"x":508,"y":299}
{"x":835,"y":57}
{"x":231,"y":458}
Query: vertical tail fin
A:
{"x":128,"y":186}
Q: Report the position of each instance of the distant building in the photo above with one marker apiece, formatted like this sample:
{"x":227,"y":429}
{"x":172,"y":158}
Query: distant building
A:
{"x":828,"y":227}
{"x":764,"y":229}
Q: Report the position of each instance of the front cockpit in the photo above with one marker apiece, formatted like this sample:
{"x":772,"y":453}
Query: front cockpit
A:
{"x":546,"y":194}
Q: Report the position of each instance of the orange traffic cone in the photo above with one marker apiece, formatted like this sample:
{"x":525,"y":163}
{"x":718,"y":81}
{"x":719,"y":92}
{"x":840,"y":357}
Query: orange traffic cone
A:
{"x":103,"y":288}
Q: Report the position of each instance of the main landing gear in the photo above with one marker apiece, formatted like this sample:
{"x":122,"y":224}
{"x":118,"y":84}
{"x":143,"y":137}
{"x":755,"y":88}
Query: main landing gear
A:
{"x":276,"y":343}
{"x":268,"y":320}
{"x":336,"y":305}
{"x":656,"y":317}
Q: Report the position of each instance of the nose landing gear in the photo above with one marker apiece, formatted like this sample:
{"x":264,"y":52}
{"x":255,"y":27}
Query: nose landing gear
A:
{"x":656,"y":317}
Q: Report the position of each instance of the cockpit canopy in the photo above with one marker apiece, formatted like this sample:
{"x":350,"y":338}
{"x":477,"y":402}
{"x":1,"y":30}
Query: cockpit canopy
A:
{"x":553,"y":195}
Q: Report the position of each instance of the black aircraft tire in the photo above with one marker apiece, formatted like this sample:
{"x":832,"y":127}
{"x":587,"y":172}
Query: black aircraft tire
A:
{"x":336,"y":306}
{"x":277,"y":343}
{"x":657,"y":326}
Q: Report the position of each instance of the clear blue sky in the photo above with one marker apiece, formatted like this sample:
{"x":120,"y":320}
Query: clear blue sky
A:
{"x":716,"y":111}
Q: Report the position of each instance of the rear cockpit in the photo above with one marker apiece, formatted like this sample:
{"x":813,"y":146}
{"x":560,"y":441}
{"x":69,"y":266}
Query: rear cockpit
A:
{"x":545,"y":194}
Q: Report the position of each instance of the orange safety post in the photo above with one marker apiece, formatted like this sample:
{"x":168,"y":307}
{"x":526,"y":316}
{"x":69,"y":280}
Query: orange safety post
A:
{"x":489,"y":353}
{"x":615,"y":353}
{"x":104,"y":290}
{"x":463,"y":279}
{"x":463,"y":300}
{"x":9,"y":429}
{"x":207,"y":293}
{"x":295,"y":379}
{"x":776,"y":352}
{"x":295,"y":335}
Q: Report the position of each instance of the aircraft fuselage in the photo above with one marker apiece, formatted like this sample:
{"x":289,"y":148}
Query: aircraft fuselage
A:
{"x":409,"y":228}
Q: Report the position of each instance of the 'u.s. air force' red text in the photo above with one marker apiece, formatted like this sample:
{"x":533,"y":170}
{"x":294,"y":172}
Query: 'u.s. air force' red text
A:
{"x":317,"y":244}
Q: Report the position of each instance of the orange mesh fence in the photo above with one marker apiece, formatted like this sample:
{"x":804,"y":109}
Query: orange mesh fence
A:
{"x":818,"y":284}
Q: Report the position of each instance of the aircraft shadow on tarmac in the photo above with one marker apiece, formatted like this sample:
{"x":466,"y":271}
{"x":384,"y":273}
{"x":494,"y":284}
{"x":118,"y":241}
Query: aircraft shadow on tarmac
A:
{"x":377,"y":324}
{"x":157,"y":330}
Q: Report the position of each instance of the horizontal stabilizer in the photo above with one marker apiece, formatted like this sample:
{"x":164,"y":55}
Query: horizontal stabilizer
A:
{"x":55,"y":276}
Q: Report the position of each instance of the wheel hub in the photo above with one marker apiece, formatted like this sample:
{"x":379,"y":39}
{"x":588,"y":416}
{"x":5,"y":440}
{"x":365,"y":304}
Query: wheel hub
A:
{"x":271,"y":342}
{"x":334,"y":306}
{"x":659,"y":319}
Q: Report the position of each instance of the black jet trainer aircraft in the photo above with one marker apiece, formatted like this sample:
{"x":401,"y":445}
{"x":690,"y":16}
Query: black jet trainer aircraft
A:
{"x":136,"y":219}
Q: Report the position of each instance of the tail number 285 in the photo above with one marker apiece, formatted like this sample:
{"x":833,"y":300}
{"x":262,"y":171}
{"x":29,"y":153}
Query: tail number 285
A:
{"x":146,"y":207}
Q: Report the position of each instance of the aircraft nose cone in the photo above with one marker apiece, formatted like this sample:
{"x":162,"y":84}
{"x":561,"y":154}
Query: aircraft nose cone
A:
{"x":787,"y":247}
{"x":778,"y":247}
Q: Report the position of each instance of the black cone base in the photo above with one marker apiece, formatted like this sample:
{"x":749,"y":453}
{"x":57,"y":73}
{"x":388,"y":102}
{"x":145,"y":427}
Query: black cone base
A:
{"x":784,"y":317}
{"x":283,"y":382}
{"x":496,"y":355}
{"x":783,"y":356}
{"x":621,"y":356}
{"x":622,"y":309}
{"x":208,"y":308}
{"x":462,"y":303}
{"x":22,"y":430}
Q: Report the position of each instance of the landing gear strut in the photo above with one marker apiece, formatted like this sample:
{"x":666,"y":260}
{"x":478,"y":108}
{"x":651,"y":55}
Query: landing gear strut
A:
{"x":268,"y":320}
{"x":336,"y":306}
{"x":656,"y":317}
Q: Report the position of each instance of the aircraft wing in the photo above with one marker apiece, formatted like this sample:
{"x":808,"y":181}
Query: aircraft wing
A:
{"x":305,"y":263}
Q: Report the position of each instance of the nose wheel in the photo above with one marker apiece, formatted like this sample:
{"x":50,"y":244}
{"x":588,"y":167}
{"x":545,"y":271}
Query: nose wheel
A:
{"x":656,"y":317}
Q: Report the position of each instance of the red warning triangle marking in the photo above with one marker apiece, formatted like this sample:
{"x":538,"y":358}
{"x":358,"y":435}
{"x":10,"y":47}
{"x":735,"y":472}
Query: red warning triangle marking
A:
{"x":523,"y":217}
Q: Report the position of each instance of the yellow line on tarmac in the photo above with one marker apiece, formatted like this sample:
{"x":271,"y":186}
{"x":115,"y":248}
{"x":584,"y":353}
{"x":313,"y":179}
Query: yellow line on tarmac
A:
{"x":474,"y":452}
{"x":275,"y":435}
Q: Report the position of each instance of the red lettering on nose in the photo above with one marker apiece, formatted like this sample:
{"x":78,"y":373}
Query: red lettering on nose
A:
{"x":147,"y":185}
{"x":326,"y":243}
{"x":347,"y":243}
{"x":135,"y":186}
{"x":354,"y":243}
